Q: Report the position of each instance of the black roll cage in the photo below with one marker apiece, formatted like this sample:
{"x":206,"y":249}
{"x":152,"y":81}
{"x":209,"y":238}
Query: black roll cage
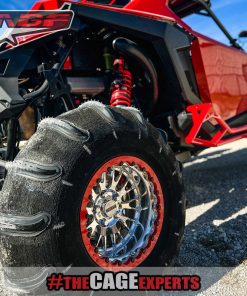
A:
{"x":209,"y":12}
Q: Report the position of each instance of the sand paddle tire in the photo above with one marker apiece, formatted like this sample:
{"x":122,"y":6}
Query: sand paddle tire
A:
{"x":97,"y":186}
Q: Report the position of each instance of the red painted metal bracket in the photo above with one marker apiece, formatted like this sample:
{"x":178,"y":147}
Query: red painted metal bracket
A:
{"x":205,"y":112}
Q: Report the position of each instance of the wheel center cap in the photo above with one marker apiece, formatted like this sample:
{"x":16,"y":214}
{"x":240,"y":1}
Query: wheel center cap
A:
{"x":110,"y":208}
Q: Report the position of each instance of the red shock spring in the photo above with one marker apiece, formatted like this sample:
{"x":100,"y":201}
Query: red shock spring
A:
{"x":122,"y":85}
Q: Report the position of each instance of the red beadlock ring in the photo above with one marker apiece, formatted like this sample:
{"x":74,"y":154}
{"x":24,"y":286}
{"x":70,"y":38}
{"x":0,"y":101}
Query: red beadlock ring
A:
{"x":158,"y":225}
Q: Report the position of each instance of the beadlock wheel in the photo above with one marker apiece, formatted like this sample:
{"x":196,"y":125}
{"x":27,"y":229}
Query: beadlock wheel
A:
{"x":96,"y":187}
{"x":122,"y":212}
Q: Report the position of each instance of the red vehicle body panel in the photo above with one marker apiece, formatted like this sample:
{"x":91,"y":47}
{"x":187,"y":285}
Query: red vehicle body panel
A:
{"x":221,"y":71}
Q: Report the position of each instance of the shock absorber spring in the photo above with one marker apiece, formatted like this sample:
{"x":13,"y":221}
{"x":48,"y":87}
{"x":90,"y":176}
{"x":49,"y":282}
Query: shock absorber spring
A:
{"x":122,"y":85}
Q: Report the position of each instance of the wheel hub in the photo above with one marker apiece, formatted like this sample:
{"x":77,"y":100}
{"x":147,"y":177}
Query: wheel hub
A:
{"x":110,"y":208}
{"x":106,"y":208}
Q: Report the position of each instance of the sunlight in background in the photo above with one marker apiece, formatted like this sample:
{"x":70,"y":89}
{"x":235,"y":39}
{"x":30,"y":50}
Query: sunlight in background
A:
{"x":233,"y":15}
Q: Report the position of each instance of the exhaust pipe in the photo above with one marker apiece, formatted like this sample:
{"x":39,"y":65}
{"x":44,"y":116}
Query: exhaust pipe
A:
{"x":131,"y":50}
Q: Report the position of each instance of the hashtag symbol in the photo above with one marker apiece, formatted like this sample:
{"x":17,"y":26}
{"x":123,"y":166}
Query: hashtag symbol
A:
{"x":55,"y":282}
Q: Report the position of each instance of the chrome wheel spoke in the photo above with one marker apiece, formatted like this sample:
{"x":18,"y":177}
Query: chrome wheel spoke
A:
{"x":99,"y":239}
{"x":89,"y":210}
{"x":115,"y":180}
{"x":127,"y":206}
{"x":93,"y":227}
{"x":105,"y":241}
{"x":124,"y":219}
{"x":140,"y":224}
{"x":103,"y":182}
{"x":125,"y":224}
{"x":93,"y":195}
{"x":113,"y":238}
{"x":134,"y":237}
{"x":123,"y":191}
{"x":115,"y":231}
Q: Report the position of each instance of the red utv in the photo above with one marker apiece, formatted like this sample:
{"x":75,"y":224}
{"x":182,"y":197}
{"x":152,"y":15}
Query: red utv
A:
{"x":95,"y":121}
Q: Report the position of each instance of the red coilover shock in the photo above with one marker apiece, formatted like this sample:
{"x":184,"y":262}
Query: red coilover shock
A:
{"x":122,"y":85}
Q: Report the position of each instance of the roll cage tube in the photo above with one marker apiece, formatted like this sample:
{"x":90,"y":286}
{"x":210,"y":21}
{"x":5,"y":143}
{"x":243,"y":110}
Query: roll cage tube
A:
{"x":210,"y":13}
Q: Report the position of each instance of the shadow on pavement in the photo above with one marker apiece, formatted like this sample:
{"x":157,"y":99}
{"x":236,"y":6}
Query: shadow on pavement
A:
{"x":217,"y":236}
